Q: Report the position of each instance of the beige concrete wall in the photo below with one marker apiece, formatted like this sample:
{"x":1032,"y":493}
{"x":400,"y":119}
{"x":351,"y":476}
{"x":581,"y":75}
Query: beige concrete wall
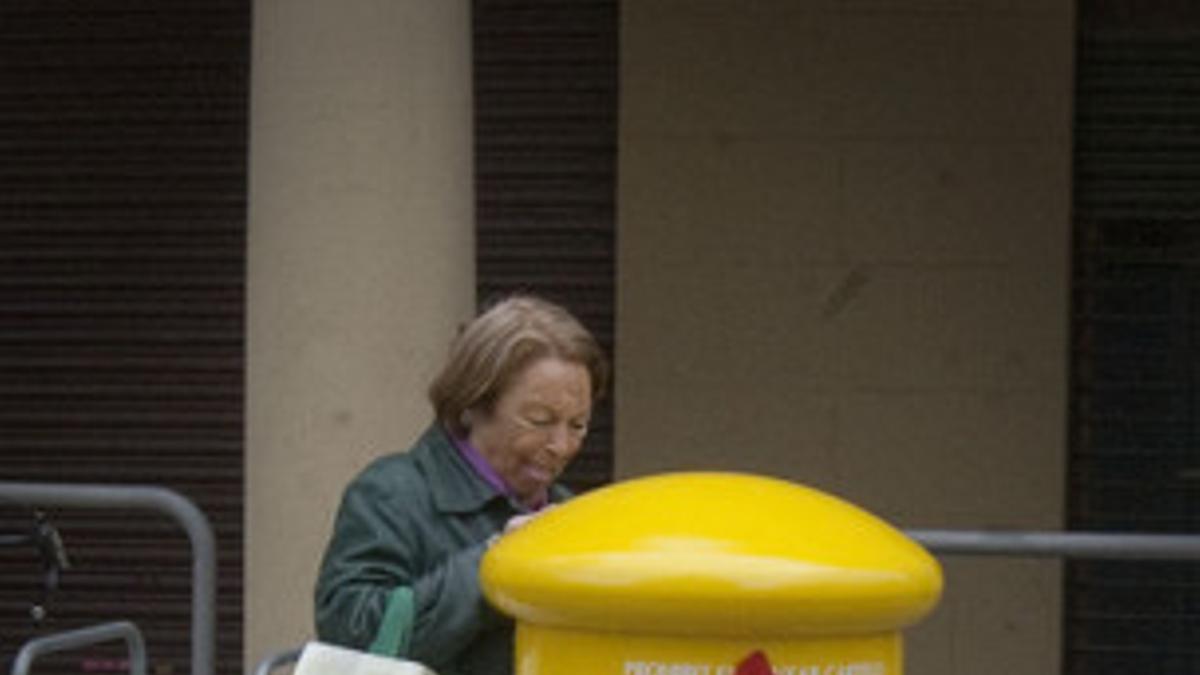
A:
{"x":360,"y":265}
{"x":843,"y":231}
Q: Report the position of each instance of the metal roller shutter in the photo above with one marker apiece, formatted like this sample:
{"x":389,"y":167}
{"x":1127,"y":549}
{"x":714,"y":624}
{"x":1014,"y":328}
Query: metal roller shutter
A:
{"x":1135,"y":455}
{"x":545,"y":144}
{"x":122,"y":228}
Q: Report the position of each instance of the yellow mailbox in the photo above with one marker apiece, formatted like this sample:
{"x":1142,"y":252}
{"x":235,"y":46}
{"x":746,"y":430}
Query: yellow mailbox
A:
{"x":696,"y":573}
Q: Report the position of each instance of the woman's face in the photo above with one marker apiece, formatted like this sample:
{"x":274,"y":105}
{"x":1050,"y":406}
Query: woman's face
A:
{"x":536,"y":426}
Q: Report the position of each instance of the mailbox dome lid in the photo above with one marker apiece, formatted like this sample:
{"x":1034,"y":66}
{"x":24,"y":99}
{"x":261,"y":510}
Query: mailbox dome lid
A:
{"x":718,"y":554}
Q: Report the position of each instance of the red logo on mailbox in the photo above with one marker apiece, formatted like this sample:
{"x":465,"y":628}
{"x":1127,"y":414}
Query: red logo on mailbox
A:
{"x":754,"y":664}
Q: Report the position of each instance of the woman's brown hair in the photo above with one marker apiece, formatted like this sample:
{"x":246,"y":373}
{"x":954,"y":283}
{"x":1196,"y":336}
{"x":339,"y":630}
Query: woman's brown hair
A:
{"x":499,"y":344}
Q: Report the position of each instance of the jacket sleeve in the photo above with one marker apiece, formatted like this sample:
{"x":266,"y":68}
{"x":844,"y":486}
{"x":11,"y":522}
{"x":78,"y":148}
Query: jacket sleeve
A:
{"x":374,"y":592}
{"x":450,"y":609}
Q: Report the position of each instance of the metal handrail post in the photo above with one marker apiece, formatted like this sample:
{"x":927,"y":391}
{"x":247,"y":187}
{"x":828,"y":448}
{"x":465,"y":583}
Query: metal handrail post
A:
{"x":84,"y":637}
{"x":162,"y":500}
{"x":278,"y":660}
{"x":1060,"y":544}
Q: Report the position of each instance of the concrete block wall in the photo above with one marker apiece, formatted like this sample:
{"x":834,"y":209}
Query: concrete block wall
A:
{"x":843,"y":235}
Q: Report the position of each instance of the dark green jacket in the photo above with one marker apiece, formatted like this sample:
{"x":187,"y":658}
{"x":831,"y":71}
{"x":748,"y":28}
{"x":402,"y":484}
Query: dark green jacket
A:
{"x":401,"y":573}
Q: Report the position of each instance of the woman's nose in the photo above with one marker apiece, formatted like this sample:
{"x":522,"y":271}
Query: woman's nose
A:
{"x":560,"y":440}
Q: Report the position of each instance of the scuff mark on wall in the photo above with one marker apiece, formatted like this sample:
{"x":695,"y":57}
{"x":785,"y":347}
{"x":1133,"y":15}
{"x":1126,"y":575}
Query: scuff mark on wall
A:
{"x":846,"y":291}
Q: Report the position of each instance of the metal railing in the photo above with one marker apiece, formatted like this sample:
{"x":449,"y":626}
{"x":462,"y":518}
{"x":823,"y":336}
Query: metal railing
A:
{"x":161,"y":500}
{"x":203,"y":629}
{"x":85,"y":637}
{"x":277,"y":660}
{"x":1010,"y":543}
{"x":1059,"y":544}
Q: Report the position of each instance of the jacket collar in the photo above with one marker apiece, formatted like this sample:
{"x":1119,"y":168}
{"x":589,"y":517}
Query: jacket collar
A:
{"x":455,"y":485}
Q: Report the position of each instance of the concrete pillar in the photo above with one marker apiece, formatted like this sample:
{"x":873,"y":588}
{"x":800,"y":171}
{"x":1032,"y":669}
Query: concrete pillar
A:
{"x":360,"y":265}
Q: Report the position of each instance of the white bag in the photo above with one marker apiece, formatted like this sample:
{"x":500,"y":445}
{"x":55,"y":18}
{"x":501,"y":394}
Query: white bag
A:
{"x":319,"y":658}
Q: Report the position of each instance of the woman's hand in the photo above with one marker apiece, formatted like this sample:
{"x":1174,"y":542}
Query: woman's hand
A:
{"x":520,"y":520}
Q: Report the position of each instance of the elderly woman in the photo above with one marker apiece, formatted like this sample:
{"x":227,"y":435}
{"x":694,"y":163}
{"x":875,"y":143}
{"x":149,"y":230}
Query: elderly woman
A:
{"x":401,"y":572}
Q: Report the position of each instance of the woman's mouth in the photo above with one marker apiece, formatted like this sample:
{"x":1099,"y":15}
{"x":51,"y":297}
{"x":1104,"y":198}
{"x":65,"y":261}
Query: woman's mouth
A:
{"x":540,"y":474}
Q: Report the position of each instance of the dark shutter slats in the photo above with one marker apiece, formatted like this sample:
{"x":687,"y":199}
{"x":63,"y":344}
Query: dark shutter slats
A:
{"x":122,"y":237}
{"x":545,"y":146}
{"x":1135,"y":450}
